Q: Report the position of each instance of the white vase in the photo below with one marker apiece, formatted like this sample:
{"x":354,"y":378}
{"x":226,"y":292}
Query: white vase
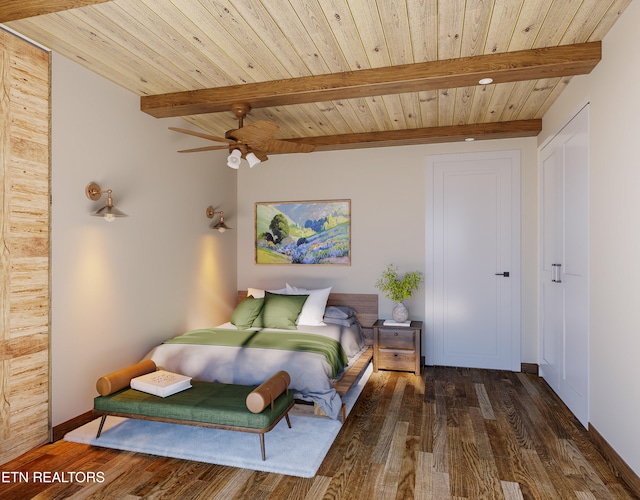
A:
{"x":400,"y":312}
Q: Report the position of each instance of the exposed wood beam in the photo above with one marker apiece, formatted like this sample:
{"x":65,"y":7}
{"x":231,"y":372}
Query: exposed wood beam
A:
{"x":11,"y":10}
{"x":432,"y":135}
{"x":550,"y":62}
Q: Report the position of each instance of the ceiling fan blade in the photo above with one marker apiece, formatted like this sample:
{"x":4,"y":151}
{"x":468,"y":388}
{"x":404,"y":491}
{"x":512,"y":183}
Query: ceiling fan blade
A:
{"x":254,"y":133}
{"x":206,"y":148}
{"x":201,"y":135}
{"x":278,"y":146}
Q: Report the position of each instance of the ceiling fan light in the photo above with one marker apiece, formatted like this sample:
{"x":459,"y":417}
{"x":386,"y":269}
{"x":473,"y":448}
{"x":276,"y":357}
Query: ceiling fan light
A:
{"x":253,"y":160}
{"x":233,"y":160}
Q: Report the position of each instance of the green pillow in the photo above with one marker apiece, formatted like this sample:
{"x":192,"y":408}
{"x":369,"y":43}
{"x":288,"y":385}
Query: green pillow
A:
{"x":246,"y":312}
{"x":280,"y":311}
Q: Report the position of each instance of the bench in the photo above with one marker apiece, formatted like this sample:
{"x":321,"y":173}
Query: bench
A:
{"x":255,"y":409}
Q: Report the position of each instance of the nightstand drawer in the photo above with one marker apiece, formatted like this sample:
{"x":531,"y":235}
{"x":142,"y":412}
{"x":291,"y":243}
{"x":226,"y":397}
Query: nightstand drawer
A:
{"x":396,"y":339}
{"x":400,"y":359}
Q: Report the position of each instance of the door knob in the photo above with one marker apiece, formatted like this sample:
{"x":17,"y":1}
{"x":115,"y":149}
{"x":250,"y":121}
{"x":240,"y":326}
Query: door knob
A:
{"x":505,"y":274}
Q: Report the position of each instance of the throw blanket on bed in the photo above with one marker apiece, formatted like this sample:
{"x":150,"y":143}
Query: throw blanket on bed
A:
{"x":266,"y":339}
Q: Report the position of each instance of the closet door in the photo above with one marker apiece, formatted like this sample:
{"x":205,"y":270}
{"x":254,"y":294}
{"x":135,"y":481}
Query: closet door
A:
{"x":564,"y":348}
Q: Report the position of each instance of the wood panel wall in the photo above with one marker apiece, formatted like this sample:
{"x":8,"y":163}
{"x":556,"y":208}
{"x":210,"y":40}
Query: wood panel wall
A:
{"x":24,"y":246}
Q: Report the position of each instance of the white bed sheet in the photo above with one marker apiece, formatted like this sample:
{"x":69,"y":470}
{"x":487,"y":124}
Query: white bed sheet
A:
{"x":310,"y":372}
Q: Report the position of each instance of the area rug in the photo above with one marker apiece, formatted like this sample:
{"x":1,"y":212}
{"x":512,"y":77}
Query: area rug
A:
{"x":298,"y":451}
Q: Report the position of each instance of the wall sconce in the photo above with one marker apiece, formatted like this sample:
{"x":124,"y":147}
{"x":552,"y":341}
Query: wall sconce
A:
{"x":109,"y":212}
{"x":220,"y":226}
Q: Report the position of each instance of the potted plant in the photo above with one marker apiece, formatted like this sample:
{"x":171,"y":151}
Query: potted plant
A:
{"x":398,"y":289}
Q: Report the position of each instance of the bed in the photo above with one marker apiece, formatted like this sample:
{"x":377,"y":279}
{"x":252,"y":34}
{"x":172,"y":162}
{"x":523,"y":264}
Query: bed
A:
{"x":323,"y":359}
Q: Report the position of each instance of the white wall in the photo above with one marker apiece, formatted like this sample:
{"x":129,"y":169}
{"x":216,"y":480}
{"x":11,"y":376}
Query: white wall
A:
{"x":387,"y":188}
{"x":119,"y":288}
{"x":615,"y":240}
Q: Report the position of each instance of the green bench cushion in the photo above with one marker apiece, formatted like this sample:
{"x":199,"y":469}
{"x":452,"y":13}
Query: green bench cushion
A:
{"x":207,"y":402}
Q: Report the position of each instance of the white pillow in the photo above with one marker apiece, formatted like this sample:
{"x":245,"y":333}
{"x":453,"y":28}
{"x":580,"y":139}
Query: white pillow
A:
{"x":313,"y":309}
{"x":258,"y":293}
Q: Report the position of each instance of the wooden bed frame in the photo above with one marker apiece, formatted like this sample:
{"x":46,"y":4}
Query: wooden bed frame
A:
{"x":366,"y":305}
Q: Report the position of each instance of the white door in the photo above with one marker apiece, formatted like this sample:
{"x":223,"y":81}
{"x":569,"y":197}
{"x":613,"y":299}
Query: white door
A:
{"x":564,"y":340}
{"x":473,"y":260}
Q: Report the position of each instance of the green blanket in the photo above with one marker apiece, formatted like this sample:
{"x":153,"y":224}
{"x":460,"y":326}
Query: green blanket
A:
{"x":269,"y":339}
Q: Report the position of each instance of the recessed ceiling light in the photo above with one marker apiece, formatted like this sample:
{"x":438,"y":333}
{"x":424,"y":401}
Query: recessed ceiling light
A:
{"x":485,"y":81}
{"x":469,"y":139}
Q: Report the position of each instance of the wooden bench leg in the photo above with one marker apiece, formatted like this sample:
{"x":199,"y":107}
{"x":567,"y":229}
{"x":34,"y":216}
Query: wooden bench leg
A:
{"x":104,"y":417}
{"x":264,"y":454}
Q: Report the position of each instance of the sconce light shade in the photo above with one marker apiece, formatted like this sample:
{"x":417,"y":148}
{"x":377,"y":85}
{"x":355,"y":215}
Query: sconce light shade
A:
{"x":109,"y":212}
{"x":220,"y":226}
{"x":253,"y":160}
{"x":233,"y":160}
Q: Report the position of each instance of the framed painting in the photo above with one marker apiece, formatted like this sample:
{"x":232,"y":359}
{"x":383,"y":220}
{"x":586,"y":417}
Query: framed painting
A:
{"x":303,"y":232}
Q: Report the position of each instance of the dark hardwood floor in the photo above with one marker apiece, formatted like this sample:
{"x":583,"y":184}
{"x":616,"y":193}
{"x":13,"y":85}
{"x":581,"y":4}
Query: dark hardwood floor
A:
{"x":451,"y":433}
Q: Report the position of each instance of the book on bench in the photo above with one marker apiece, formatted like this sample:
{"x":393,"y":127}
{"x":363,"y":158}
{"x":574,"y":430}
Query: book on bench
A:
{"x":161,"y":383}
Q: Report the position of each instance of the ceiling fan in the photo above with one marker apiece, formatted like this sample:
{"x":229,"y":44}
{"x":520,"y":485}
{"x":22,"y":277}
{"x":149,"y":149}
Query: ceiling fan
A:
{"x":252,"y":142}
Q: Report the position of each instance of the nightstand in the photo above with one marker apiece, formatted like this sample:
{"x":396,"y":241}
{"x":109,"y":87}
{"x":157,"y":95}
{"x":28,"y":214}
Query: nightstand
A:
{"x":397,"y":347}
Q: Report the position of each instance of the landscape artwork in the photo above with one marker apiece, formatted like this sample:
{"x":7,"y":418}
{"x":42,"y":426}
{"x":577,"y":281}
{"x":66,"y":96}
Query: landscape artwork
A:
{"x":303,"y":232}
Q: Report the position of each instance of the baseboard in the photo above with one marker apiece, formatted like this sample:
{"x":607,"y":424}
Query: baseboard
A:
{"x":529,"y":368}
{"x":61,"y":429}
{"x":615,"y":461}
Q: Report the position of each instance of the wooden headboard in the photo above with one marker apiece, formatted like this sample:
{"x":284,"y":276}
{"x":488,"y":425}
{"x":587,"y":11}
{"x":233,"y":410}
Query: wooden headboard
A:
{"x":366,"y":305}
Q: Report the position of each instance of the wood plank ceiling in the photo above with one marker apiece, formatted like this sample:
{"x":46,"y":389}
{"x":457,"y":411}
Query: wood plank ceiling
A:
{"x":334,"y":73}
